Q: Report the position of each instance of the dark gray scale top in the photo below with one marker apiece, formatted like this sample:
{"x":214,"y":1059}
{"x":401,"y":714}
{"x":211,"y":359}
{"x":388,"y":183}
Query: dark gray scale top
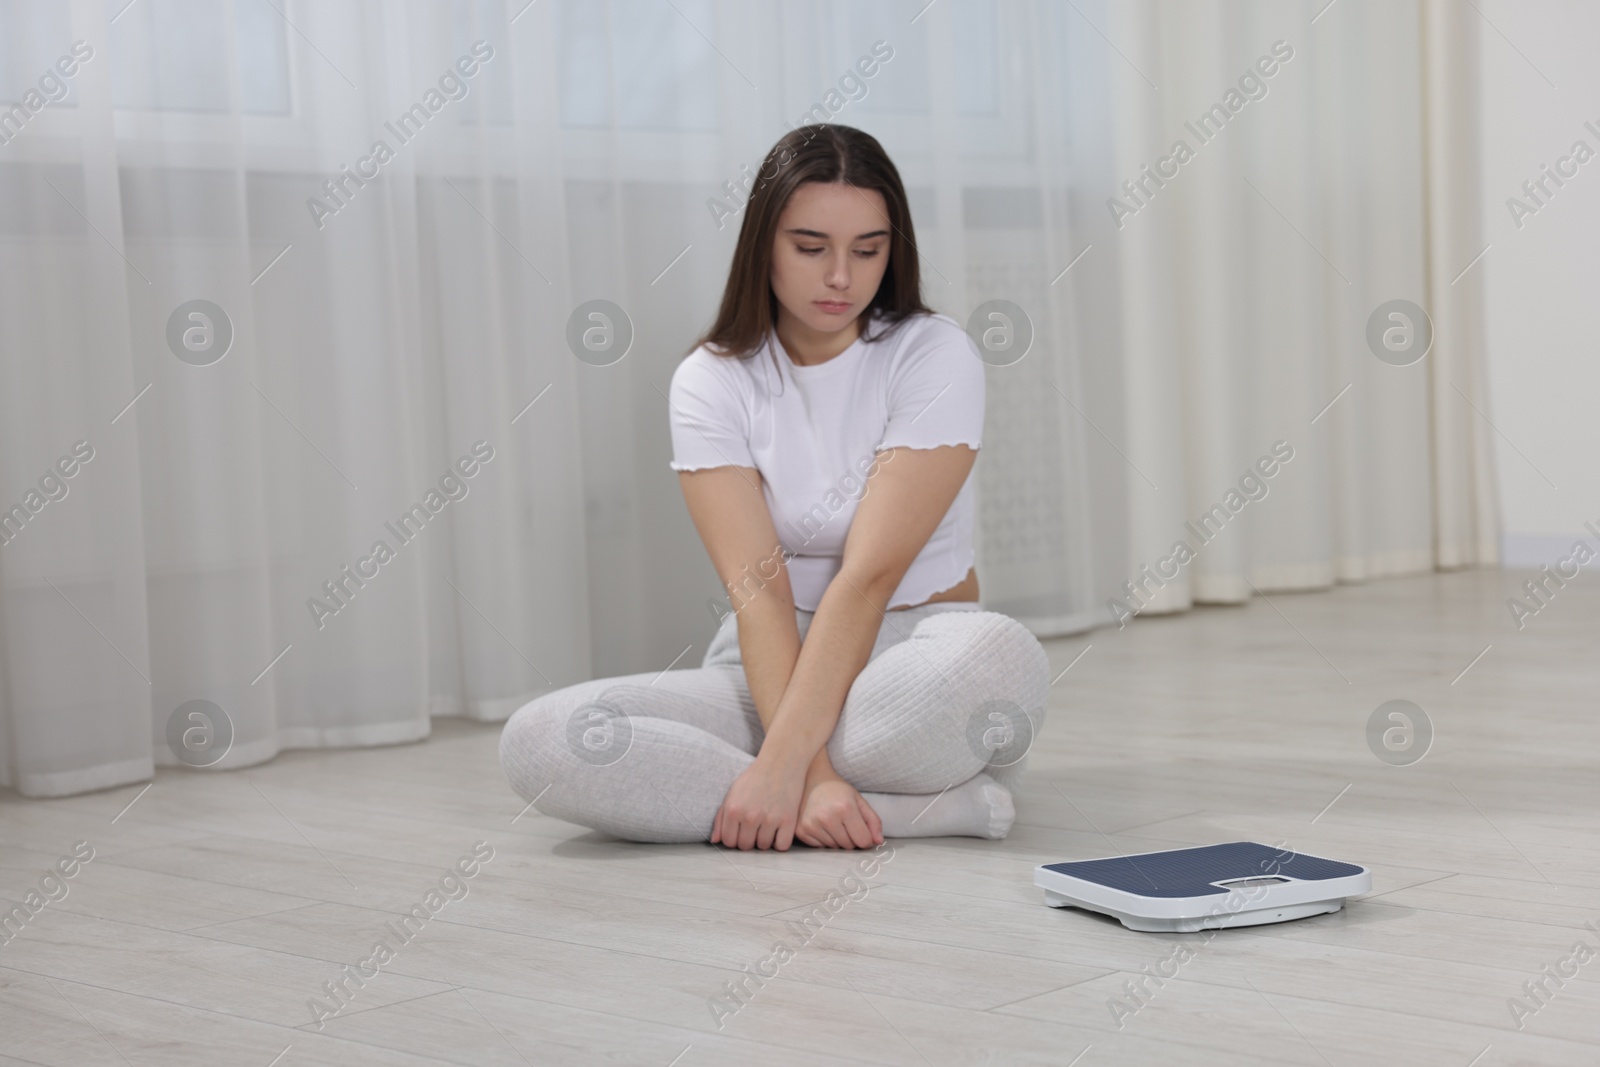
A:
{"x":1193,"y":872}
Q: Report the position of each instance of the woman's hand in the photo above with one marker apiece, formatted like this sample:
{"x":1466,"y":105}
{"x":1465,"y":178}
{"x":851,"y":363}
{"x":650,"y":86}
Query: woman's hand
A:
{"x":834,"y":815}
{"x":761,"y":808}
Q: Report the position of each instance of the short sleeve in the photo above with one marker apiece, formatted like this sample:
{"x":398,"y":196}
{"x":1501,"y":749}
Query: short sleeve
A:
{"x":936,"y":392}
{"x":710,"y":427}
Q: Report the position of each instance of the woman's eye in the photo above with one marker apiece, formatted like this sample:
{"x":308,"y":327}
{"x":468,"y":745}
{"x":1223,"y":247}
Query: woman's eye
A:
{"x":810,"y":251}
{"x":867,"y":255}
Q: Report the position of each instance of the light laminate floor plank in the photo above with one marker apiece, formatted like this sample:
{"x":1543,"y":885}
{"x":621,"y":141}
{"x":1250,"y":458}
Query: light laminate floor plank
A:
{"x":217,"y":905}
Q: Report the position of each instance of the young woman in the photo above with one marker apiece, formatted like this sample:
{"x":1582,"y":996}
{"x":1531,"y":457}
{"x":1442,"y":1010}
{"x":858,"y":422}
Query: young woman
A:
{"x":856,"y":690}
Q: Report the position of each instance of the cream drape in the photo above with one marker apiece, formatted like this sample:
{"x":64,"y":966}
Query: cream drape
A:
{"x":375,"y":346}
{"x":1247,"y":284}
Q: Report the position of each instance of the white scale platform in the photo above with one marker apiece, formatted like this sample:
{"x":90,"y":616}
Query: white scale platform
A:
{"x":1184,"y":890}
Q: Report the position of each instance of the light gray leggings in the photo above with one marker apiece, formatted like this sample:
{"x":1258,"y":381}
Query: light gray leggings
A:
{"x":950,"y":690}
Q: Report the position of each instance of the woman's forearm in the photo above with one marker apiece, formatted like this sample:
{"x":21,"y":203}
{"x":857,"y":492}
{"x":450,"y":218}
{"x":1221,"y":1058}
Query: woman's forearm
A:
{"x":769,"y":644}
{"x":837,"y":646}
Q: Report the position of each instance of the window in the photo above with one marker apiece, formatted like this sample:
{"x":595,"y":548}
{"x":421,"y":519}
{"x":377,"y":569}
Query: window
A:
{"x":170,"y":55}
{"x":657,"y":56}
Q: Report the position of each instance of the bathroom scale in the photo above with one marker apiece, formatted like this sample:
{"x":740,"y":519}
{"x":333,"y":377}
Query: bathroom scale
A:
{"x":1242,"y":883}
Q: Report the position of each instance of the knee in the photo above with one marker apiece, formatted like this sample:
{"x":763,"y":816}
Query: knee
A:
{"x":555,"y":736}
{"x":1006,"y":710}
{"x":1021,"y":653}
{"x":1004,"y":659}
{"x":1004,"y":678}
{"x":970,"y":688}
{"x":526,"y":742}
{"x":1014,"y":644}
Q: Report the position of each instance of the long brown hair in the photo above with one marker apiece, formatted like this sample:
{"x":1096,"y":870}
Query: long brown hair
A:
{"x":821,"y":152}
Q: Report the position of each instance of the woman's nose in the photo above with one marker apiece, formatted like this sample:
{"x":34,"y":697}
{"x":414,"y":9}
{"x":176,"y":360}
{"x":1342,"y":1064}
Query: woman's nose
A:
{"x":839,"y":273}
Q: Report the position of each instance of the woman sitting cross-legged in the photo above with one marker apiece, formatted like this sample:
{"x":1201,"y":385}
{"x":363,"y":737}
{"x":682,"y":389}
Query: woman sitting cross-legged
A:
{"x":825,"y":432}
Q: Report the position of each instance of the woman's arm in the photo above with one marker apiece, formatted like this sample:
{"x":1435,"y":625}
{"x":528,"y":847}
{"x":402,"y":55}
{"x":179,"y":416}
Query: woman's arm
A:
{"x":730,"y":512}
{"x":909,"y":497}
{"x":799,"y":693}
{"x":762,"y":807}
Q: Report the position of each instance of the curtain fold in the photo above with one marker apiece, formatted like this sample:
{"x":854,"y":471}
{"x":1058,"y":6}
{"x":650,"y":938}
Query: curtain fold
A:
{"x":1466,"y":504}
{"x":1341,"y":181}
{"x":377,"y":481}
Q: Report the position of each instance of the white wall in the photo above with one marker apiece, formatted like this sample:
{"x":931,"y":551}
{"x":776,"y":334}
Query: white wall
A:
{"x":1542,"y":280}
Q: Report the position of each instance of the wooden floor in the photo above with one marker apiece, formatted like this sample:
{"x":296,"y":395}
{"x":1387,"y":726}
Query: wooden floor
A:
{"x":219,"y":904}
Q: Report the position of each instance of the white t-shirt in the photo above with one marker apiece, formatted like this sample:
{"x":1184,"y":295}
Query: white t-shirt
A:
{"x":812,"y":432}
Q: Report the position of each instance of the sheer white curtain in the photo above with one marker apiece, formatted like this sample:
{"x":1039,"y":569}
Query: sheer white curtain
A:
{"x":366,"y":341}
{"x":1343,"y":181}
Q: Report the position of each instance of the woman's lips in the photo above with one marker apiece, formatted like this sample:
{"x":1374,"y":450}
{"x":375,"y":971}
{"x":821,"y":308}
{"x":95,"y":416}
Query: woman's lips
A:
{"x":832,"y":308}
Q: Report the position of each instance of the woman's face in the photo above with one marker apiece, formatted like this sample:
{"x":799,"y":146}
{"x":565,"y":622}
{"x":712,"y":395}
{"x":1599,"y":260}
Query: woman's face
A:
{"x":829,"y":254}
